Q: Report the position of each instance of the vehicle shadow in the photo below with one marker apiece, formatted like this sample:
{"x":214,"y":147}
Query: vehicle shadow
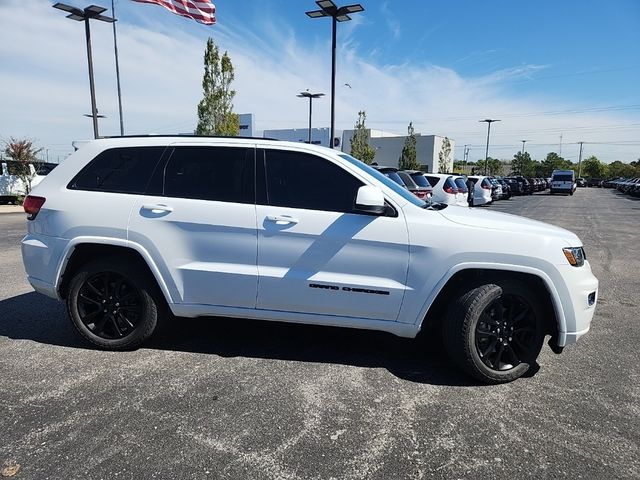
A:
{"x":34,"y":317}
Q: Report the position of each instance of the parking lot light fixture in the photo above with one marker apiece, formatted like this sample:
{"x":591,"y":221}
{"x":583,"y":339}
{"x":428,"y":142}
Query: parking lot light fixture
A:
{"x":337,"y":14}
{"x":489,"y":121}
{"x":92,"y":12}
{"x":310,"y":96}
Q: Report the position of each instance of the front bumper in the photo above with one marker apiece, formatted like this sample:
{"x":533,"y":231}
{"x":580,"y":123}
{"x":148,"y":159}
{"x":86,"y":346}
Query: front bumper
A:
{"x":578,"y":302}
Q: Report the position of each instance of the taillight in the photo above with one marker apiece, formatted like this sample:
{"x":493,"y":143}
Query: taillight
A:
{"x":420,"y":195}
{"x":486,"y":186}
{"x":450,"y":190}
{"x":32,"y":205}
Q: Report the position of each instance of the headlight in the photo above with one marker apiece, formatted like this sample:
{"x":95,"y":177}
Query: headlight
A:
{"x":575,"y":255}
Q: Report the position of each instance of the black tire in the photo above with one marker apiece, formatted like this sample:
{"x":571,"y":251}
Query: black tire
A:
{"x":112,"y":304}
{"x":475,"y":324}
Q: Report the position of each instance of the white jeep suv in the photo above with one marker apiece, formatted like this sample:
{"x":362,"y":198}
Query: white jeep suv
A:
{"x":129,"y":229}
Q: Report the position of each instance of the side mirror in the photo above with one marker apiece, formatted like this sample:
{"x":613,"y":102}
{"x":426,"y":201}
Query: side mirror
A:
{"x":370,"y":200}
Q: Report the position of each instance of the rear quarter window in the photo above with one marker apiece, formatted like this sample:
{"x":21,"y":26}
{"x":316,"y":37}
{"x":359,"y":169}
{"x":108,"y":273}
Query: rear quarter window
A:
{"x":120,"y":170}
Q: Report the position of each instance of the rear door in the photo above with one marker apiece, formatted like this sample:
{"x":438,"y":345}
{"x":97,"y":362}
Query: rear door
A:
{"x":198,"y":221}
{"x":314,"y":254}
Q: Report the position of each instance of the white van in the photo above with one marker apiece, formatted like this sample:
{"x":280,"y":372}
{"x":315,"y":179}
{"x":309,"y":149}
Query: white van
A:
{"x":11,"y":187}
{"x":563,"y":181}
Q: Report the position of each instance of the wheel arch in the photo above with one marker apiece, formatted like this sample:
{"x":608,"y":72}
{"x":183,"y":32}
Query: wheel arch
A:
{"x":83,"y":250}
{"x":433,"y":311}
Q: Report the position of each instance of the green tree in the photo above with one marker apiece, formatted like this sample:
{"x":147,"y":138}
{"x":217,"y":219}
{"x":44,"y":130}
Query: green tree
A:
{"x":620,"y":169}
{"x":215,"y":110}
{"x":522,"y":164}
{"x":409,"y":157}
{"x":444,"y":156}
{"x":360,"y":147}
{"x":552,"y":162}
{"x":495,"y":166}
{"x":23,"y":153}
{"x":593,"y":168}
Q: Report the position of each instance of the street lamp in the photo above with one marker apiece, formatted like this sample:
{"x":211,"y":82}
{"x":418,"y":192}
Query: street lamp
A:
{"x":310,"y":96}
{"x":337,"y":14}
{"x":523,"y":142}
{"x":489,"y":121}
{"x":93,"y":12}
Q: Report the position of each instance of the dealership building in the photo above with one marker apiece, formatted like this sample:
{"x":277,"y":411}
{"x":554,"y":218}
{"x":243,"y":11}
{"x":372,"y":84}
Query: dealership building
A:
{"x":388,"y":146}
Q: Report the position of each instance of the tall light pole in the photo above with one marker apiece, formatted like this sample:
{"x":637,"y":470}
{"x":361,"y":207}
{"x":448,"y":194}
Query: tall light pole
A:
{"x":580,"y":161}
{"x":523,"y":142}
{"x":115,"y":51}
{"x":489,"y":121}
{"x":310,"y":96}
{"x":465,"y":154}
{"x":337,"y":14}
{"x":93,"y":12}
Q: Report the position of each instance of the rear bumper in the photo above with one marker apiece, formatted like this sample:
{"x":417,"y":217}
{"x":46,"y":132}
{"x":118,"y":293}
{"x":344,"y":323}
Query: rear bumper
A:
{"x":41,"y":256}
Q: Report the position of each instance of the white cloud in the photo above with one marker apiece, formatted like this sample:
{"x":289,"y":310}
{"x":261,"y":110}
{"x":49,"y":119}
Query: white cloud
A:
{"x":44,"y":87}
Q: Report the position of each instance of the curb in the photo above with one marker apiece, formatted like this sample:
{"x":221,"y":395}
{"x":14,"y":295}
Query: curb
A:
{"x":11,"y":209}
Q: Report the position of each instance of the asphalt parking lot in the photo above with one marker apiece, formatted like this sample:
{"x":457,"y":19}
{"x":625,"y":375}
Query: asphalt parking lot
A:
{"x":222,"y":398}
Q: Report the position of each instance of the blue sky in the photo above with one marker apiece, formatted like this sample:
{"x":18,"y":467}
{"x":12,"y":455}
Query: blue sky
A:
{"x":546,"y":68}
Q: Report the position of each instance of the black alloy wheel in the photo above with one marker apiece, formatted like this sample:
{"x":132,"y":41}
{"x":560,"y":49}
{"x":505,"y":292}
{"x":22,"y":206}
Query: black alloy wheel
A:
{"x":114,"y":303}
{"x":109,"y":305}
{"x":494,"y":332}
{"x":506,"y":333}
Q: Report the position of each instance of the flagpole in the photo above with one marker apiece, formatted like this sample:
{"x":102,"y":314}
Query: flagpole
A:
{"x":115,"y":48}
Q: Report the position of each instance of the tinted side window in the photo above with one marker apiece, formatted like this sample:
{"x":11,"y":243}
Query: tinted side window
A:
{"x":122,"y":170}
{"x":300,"y":180}
{"x":223,"y":174}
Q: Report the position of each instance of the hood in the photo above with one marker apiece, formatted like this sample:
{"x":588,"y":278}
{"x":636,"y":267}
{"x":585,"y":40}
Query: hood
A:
{"x":482,"y":218}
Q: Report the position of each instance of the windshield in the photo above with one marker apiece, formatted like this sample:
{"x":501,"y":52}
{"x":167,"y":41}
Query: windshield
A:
{"x":395,"y":177}
{"x":403,"y":192}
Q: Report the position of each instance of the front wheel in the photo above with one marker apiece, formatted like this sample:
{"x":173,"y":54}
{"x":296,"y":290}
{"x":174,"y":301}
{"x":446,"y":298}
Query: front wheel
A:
{"x":494,"y":332}
{"x":112,"y":304}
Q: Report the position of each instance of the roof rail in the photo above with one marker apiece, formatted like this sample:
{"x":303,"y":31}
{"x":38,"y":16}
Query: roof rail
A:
{"x":154,"y":135}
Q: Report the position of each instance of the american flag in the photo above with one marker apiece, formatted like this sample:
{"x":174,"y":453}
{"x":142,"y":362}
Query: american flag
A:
{"x":202,"y":11}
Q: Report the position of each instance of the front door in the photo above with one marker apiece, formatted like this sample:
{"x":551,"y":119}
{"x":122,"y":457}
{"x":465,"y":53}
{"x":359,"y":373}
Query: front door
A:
{"x":314,"y":256}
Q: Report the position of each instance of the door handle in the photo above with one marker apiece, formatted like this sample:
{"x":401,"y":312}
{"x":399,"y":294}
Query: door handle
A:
{"x":157,"y":207}
{"x":282,"y":219}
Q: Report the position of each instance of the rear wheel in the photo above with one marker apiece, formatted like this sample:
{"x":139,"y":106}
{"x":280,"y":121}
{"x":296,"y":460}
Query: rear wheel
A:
{"x":112,"y":304}
{"x":494,"y":332}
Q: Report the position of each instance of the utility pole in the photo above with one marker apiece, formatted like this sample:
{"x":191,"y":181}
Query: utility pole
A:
{"x":580,"y":161}
{"x":560,"y":149}
{"x":488,"y":121}
{"x":465,"y":155}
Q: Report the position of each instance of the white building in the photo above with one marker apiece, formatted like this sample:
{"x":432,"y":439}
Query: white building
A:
{"x":246,"y":124}
{"x":388,"y":148}
{"x":319,"y":136}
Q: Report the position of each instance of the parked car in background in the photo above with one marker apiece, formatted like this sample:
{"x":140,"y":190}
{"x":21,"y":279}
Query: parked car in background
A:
{"x":595,"y":182}
{"x":410,"y":181}
{"x":12,"y":187}
{"x":482,"y":190}
{"x":506,"y":188}
{"x":515,"y":186}
{"x":527,"y":188}
{"x":392,"y":173}
{"x":581,"y":182}
{"x":496,"y":189}
{"x":463,"y":191}
{"x":421,"y":181}
{"x":445,"y":189}
{"x":563,"y":181}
